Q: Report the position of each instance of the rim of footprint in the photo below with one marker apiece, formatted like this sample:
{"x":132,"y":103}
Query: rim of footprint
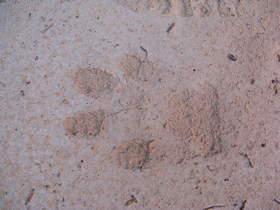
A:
{"x":181,"y":8}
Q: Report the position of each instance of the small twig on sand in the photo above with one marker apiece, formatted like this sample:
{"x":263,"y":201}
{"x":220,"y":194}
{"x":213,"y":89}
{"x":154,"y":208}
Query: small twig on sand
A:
{"x":47,"y":28}
{"x":170,"y":27}
{"x":30,"y":196}
{"x":242,"y":207}
{"x":247,"y":157}
{"x":276,"y":201}
{"x":216,"y":206}
{"x":131,"y":201}
{"x":232,"y":57}
{"x":144,"y":50}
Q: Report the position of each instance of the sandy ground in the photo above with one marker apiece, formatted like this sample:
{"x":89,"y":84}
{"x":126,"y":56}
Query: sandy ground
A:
{"x":140,"y":104}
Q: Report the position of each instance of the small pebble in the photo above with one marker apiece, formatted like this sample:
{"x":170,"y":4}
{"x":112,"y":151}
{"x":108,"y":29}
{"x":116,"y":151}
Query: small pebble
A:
{"x":232,"y":57}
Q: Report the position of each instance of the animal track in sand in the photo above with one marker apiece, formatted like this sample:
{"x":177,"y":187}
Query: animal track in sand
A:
{"x":194,"y":122}
{"x":94,"y":82}
{"x":131,"y":155}
{"x":85,"y":124}
{"x":137,"y":69}
{"x":181,"y":8}
{"x":194,"y":117}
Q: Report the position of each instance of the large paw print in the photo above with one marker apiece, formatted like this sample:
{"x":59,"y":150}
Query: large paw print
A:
{"x":191,"y":117}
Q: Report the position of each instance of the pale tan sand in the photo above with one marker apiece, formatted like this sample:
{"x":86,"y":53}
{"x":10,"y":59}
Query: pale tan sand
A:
{"x":139,"y":104}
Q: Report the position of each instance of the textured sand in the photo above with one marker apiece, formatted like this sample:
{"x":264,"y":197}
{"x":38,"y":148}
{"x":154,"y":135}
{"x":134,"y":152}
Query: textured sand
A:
{"x":140,"y":104}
